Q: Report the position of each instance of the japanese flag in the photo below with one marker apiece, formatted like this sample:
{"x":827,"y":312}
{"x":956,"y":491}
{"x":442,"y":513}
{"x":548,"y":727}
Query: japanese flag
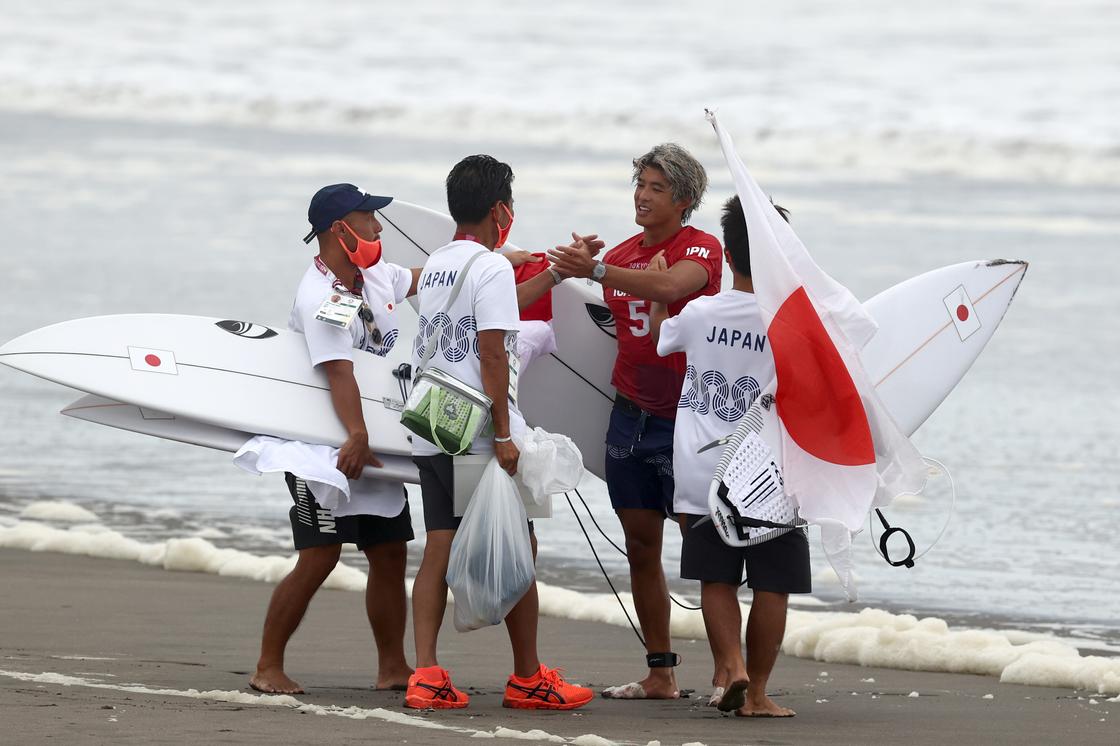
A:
{"x":841,"y":452}
{"x":152,"y":361}
{"x":961,"y":312}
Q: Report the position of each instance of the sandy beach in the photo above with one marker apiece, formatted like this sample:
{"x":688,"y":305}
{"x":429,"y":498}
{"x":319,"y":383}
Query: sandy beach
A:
{"x":104,"y":650}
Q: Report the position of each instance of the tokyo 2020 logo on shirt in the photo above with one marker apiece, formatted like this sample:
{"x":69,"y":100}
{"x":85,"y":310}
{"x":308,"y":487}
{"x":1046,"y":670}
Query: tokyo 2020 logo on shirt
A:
{"x":456,"y":340}
{"x":387,"y":343}
{"x":710,"y":391}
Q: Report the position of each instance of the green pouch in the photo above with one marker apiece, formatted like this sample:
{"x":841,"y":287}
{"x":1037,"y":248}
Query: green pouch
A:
{"x":445,"y":411}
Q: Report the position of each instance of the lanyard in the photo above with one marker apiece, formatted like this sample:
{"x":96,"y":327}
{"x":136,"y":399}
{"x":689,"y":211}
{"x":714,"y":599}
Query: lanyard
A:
{"x":364,"y":313}
{"x":359,"y":281}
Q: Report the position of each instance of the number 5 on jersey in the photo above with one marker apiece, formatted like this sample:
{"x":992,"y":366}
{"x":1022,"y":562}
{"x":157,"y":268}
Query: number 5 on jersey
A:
{"x":639,"y":312}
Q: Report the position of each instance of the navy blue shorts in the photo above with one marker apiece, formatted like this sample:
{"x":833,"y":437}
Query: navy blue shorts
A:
{"x":639,"y":460}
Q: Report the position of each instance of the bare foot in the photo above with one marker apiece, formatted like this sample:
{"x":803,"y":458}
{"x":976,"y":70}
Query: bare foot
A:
{"x":761,"y":706}
{"x":652,"y":687}
{"x":396,"y":681}
{"x":274,"y":681}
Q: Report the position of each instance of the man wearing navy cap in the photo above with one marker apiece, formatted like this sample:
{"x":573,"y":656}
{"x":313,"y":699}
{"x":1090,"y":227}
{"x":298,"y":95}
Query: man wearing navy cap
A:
{"x":345,"y":302}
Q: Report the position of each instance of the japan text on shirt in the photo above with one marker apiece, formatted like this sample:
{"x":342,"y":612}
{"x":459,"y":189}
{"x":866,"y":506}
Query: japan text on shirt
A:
{"x":728,"y":364}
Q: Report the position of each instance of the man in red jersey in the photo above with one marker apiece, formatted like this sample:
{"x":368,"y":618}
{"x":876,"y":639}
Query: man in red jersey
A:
{"x":669,"y":184}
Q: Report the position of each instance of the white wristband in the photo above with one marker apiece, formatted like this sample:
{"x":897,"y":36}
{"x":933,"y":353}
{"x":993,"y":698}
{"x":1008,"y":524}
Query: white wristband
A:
{"x":506,"y":439}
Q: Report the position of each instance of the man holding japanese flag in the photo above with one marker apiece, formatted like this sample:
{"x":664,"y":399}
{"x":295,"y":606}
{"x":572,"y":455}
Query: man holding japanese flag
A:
{"x":841,"y":452}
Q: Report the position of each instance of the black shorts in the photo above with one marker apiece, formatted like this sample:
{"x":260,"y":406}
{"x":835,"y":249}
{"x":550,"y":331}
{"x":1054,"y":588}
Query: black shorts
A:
{"x":315,"y":526}
{"x":437,"y":490}
{"x":780,"y":565}
{"x":639,"y":461}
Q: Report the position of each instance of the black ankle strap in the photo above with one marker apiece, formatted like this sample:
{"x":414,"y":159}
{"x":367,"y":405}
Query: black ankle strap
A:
{"x":662,"y":660}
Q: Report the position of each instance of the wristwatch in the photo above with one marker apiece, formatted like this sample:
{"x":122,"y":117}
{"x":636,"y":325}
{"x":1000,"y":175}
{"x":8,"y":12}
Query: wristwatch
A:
{"x":599,"y":271}
{"x":556,"y":278}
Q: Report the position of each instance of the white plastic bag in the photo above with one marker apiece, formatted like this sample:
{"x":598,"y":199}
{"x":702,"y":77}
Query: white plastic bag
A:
{"x":550,"y":463}
{"x":491,"y":563}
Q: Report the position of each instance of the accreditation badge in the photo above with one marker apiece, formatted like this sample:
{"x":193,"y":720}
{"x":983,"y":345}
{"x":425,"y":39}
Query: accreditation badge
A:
{"x":339,"y":309}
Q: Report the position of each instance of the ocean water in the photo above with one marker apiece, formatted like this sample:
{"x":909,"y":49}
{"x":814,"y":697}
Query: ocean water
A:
{"x":160,"y":160}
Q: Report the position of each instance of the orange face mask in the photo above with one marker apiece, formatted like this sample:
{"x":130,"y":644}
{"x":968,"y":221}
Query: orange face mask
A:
{"x":503,"y":233}
{"x":367,"y":253}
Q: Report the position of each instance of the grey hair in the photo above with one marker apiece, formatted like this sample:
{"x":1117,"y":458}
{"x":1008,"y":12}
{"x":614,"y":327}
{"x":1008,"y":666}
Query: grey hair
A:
{"x":686,"y":175}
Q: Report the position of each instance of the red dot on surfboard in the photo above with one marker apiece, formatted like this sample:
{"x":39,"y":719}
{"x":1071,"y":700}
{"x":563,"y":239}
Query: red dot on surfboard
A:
{"x":152,"y":360}
{"x":962,"y":312}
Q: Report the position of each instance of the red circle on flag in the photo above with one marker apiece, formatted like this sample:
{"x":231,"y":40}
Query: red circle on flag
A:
{"x":152,"y":360}
{"x":818,"y":401}
{"x":962,"y":312}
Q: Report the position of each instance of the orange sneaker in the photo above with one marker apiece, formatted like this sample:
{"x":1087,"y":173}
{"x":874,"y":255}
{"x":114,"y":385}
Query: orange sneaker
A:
{"x":430,"y":689}
{"x":547,"y":690}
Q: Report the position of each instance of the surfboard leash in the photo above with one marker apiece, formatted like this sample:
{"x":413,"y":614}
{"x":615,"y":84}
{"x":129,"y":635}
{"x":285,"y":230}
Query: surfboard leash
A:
{"x":601,"y":568}
{"x":610,"y":541}
{"x":888,"y":530}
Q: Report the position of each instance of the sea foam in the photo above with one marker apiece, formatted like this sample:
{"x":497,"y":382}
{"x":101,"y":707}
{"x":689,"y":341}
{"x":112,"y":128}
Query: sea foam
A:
{"x":56,"y":510}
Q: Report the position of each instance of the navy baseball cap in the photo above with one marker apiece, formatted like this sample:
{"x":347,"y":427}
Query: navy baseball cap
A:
{"x":335,"y":202}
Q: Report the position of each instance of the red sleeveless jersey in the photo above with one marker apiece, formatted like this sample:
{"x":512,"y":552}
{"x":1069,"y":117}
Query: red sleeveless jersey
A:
{"x":640,"y":374}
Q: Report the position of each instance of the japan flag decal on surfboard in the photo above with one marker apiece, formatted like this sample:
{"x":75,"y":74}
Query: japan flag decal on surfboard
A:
{"x":963,"y":315}
{"x":148,"y":360}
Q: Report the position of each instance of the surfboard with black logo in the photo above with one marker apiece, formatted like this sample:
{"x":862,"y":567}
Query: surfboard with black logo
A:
{"x":232,"y":374}
{"x":931,"y":329}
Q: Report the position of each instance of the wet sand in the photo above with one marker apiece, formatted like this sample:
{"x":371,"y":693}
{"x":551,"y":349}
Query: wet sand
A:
{"x":104,"y":650}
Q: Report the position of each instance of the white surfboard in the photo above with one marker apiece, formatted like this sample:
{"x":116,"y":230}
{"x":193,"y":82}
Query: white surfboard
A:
{"x":168,"y":426}
{"x":410,"y":233}
{"x":235,"y":375}
{"x":931,"y":329}
{"x":922,"y":349}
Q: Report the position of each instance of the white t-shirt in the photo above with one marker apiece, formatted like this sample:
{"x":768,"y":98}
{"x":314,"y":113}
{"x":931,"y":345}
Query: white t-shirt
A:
{"x":487,"y":301}
{"x":386,"y":285}
{"x":729,"y":363}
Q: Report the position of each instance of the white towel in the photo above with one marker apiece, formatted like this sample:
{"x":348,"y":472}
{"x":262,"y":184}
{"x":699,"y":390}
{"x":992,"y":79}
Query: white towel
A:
{"x":315,"y":464}
{"x":535,"y":339}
